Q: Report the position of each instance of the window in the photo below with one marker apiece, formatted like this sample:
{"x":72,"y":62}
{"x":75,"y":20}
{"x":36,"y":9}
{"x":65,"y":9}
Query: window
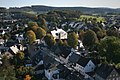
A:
{"x":113,"y":75}
{"x":117,"y":78}
{"x":113,"y":79}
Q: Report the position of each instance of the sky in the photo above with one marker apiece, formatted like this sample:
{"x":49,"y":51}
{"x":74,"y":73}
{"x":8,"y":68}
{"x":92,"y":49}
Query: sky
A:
{"x":61,"y":3}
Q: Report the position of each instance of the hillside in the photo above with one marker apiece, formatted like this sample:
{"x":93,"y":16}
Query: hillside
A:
{"x":42,"y":9}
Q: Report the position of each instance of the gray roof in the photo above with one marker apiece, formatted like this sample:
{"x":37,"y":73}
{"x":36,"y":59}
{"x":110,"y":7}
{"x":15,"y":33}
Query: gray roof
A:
{"x":104,"y":70}
{"x":74,"y":58}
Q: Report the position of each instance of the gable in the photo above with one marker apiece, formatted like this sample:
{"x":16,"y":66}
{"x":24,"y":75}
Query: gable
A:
{"x":89,"y":67}
{"x":113,"y":74}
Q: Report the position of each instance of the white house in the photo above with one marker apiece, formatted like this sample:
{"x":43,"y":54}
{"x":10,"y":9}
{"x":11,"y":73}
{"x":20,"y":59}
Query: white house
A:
{"x":59,"y":34}
{"x":51,"y":72}
{"x":2,"y":41}
{"x":19,"y":37}
{"x":14,"y":49}
{"x":85,"y":65}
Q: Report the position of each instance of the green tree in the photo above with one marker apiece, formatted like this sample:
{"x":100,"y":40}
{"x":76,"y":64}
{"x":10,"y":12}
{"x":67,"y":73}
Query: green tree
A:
{"x":42,"y":22}
{"x":81,"y":33}
{"x":31,"y":24}
{"x":72,"y":39}
{"x":65,"y":43}
{"x":113,"y":33}
{"x":60,"y":42}
{"x":50,"y":41}
{"x":99,"y":32}
{"x":89,"y":39}
{"x":40,"y":33}
{"x":110,"y":48}
{"x":7,"y":71}
{"x":34,"y":28}
{"x":22,"y":71}
{"x":21,"y":55}
{"x":30,"y":36}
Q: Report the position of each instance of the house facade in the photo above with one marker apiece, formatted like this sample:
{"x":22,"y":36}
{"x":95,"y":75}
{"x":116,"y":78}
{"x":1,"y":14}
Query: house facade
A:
{"x":106,"y":72}
{"x":59,"y":34}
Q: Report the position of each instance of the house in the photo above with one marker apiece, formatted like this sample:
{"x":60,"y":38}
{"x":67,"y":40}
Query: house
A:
{"x":37,"y":63}
{"x":7,"y":54}
{"x":74,"y":57}
{"x":28,"y":62}
{"x":13,"y":50}
{"x":106,"y":72}
{"x":52,"y":74}
{"x":66,"y":74}
{"x":21,"y":47}
{"x":19,"y":37}
{"x":51,"y":71}
{"x":2,"y":32}
{"x":2,"y":41}
{"x":85,"y":65}
{"x":59,"y":34}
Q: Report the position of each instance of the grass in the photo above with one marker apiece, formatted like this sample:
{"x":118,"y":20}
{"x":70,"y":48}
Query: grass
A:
{"x":92,"y":17}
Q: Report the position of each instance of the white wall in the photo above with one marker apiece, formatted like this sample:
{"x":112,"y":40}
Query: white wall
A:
{"x":49,"y":74}
{"x":89,"y":67}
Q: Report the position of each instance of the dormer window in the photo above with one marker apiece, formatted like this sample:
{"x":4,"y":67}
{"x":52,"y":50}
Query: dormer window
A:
{"x":57,"y":34}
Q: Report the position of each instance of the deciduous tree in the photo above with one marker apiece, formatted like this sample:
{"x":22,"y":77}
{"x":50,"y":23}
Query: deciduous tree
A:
{"x":40,"y":33}
{"x":31,"y":37}
{"x":50,"y":41}
{"x":72,"y":39}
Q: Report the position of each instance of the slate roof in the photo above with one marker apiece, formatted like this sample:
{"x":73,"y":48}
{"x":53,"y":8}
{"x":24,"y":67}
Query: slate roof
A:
{"x":49,"y":62}
{"x":83,"y":61}
{"x":65,"y":51}
{"x":67,"y":74}
{"x":74,"y":58}
{"x":104,"y":70}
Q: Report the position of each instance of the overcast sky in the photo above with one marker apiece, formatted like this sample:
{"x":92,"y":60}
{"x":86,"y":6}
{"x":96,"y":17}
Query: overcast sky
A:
{"x":61,"y":3}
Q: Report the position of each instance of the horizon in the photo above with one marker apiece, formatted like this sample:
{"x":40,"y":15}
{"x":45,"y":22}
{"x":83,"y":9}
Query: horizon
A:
{"x":54,"y":3}
{"x":61,"y":6}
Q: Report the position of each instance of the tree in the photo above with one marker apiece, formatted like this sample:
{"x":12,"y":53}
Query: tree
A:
{"x":34,"y":28}
{"x":110,"y":48}
{"x":20,"y":55}
{"x":22,"y":71}
{"x":49,"y":40}
{"x":31,"y":37}
{"x":81,"y":33}
{"x":18,"y":60}
{"x":113,"y":33}
{"x":40,"y":33}
{"x":89,"y":39}
{"x":65,"y":43}
{"x":60,"y":42}
{"x":27,"y":77}
{"x":99,"y":32}
{"x":31,"y":24}
{"x":42,"y":22}
{"x":7,"y":71}
{"x":72,"y":39}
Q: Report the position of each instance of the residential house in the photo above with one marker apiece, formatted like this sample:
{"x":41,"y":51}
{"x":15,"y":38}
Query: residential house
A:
{"x":106,"y":72}
{"x":2,"y":41}
{"x":13,"y":50}
{"x":28,"y":62}
{"x":59,"y":34}
{"x":19,"y":37}
{"x":50,"y":68}
{"x":84,"y":65}
{"x":52,"y":74}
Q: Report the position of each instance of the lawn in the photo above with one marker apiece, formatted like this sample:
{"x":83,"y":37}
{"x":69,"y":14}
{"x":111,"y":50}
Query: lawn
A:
{"x":92,"y":17}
